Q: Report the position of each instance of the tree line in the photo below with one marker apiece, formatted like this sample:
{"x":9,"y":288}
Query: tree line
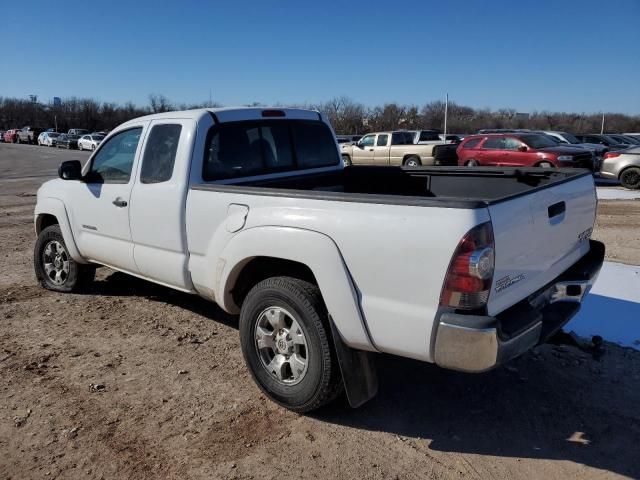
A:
{"x":345,"y":115}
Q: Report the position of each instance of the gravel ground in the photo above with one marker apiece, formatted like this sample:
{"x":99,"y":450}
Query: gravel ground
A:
{"x":133,"y":380}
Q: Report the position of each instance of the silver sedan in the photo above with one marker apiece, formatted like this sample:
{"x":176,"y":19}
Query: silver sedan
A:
{"x":623,"y":165}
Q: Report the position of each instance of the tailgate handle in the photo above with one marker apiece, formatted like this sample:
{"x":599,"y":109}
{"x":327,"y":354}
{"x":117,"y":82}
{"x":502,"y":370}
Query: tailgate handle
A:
{"x":556,"y":209}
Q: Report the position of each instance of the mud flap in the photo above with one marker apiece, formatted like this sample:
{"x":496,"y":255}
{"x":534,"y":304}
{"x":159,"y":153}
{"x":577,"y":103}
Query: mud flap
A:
{"x":359,"y":373}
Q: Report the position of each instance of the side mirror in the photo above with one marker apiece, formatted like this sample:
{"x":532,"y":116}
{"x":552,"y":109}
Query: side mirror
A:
{"x":522,"y":148}
{"x":70,"y":170}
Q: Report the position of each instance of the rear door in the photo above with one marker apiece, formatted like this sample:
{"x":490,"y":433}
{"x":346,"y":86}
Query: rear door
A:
{"x":492,"y":151}
{"x":538,"y":236}
{"x":158,"y":203}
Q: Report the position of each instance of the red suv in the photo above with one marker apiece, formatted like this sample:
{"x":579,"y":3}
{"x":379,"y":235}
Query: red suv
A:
{"x":11,"y":136}
{"x":521,"y":150}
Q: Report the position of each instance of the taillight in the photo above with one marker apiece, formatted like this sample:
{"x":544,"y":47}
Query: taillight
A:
{"x":612,"y":154}
{"x":468,"y":281}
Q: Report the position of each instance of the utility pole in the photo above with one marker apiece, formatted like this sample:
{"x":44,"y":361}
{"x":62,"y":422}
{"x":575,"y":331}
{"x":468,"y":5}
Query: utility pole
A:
{"x":602,"y":127}
{"x":446,"y":112}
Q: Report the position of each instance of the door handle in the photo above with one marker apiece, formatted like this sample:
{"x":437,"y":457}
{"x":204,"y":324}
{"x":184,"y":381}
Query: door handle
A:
{"x":556,"y":209}
{"x":371,"y":149}
{"x":118,"y":202}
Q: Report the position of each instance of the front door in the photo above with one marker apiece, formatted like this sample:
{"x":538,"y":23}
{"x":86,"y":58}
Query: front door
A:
{"x":363,"y":151}
{"x":99,"y":205}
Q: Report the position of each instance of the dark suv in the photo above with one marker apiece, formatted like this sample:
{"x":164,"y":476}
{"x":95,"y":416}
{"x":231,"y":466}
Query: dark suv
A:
{"x":521,"y":150}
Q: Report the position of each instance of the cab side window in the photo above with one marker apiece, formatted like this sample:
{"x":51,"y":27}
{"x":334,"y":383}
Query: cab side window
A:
{"x":382,"y":140}
{"x":367,"y":140}
{"x":114,"y":161}
{"x":160,"y":153}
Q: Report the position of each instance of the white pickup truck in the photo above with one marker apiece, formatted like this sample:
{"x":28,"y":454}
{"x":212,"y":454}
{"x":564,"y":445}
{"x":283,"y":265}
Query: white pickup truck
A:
{"x":326,"y":265}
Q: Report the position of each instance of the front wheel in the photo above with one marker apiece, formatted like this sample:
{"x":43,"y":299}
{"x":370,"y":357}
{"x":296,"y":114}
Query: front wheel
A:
{"x":630,"y":178}
{"x":79,"y":146}
{"x":346,"y":160}
{"x":54,"y":267}
{"x":286,"y":344}
{"x":472,"y":163}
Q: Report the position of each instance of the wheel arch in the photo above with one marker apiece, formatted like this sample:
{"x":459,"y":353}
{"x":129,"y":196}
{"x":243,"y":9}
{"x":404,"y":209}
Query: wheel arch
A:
{"x":51,"y":211}
{"x":262,"y":252}
{"x":627,"y":167}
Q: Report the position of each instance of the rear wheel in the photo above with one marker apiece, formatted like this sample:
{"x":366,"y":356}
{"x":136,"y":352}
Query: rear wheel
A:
{"x":412,"y":161}
{"x":16,"y":139}
{"x":545,"y":165}
{"x":54,"y":267}
{"x":286,"y":343}
{"x":630,"y":178}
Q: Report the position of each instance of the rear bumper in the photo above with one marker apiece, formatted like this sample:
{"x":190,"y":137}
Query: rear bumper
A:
{"x":474,"y":343}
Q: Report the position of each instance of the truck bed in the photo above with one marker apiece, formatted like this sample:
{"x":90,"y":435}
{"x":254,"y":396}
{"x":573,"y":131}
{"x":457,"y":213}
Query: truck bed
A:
{"x":455,"y":187}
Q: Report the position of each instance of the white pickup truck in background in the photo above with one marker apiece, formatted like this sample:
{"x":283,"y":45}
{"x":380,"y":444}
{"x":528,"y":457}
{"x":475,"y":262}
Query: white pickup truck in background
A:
{"x":254,"y":210}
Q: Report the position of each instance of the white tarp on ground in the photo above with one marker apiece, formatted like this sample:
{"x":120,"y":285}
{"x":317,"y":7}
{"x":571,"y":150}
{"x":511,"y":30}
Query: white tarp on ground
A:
{"x":612,"y":309}
{"x":617,"y":193}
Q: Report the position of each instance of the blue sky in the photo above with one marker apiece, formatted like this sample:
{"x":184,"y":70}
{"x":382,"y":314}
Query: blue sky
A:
{"x":581,"y":56}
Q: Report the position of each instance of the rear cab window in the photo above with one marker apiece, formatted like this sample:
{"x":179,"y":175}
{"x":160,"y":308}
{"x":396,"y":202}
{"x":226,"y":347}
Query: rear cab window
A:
{"x":261,"y":147}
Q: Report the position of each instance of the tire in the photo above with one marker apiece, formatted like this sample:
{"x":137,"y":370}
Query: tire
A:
{"x":412,"y":161}
{"x":16,"y":139}
{"x":54,"y":267}
{"x":545,"y":165}
{"x":630,"y":178}
{"x":346,"y":160}
{"x":79,"y":146}
{"x":292,"y":305}
{"x":472,"y":163}
{"x":93,"y":148}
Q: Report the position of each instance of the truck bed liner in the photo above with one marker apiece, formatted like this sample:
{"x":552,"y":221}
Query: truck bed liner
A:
{"x":454,"y":187}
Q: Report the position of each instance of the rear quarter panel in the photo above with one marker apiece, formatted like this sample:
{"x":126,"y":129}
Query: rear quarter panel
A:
{"x":396,"y":255}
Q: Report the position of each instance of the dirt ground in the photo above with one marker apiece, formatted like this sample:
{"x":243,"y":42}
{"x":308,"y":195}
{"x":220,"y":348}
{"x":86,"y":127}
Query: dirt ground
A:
{"x":136,"y":381}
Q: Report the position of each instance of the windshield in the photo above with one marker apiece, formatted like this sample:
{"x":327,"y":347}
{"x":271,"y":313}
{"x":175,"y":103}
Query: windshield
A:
{"x":538,"y":141}
{"x":53,"y":135}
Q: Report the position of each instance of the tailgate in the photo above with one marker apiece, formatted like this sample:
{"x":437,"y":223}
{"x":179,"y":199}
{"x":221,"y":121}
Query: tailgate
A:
{"x":538,"y":236}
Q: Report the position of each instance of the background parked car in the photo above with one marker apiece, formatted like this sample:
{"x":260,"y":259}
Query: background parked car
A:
{"x":11,"y":136}
{"x":29,"y":135}
{"x":48,"y":139}
{"x":521,"y":149}
{"x":427,"y":137}
{"x":570,"y":139}
{"x":1,"y":136}
{"x":89,"y":142}
{"x":344,"y":138}
{"x":67,"y":141}
{"x":623,"y":165}
{"x":601,"y":139}
{"x":77,"y":131}
{"x":625,"y":139}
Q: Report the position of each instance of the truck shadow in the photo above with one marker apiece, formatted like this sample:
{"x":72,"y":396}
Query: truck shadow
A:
{"x":117,"y":284}
{"x":555,"y":403}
